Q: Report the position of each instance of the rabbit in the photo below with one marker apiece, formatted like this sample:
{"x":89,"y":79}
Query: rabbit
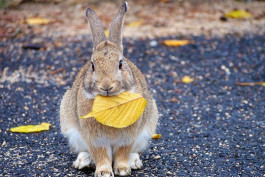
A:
{"x":108,"y":73}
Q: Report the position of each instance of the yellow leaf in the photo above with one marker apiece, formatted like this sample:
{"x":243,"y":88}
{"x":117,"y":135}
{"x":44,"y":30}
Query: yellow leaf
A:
{"x":37,"y":21}
{"x":241,"y":14}
{"x":31,"y":128}
{"x":117,"y":111}
{"x":156,"y":136}
{"x":136,"y":23}
{"x":175,"y":43}
{"x":187,"y":79}
{"x":106,"y":33}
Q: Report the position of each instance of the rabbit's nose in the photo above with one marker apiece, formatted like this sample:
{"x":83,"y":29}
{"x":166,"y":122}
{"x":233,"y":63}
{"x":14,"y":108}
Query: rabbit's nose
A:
{"x":106,"y":89}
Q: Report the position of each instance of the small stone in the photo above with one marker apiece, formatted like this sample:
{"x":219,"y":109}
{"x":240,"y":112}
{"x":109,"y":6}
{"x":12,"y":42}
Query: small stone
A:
{"x":153,"y":43}
{"x":168,"y":172}
{"x":157,"y":157}
{"x":4,"y":143}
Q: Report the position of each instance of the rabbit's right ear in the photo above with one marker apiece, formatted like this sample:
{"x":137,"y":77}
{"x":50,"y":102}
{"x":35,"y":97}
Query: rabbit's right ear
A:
{"x":96,"y":27}
{"x":116,"y":27}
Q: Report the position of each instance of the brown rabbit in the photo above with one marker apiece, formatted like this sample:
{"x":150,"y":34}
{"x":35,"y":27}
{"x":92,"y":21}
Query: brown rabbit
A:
{"x":108,"y":73}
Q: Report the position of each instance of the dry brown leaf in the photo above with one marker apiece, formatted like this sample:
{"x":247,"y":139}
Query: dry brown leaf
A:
{"x":58,"y":71}
{"x":250,"y":83}
{"x":174,"y":100}
{"x":178,"y":91}
{"x":165,"y":1}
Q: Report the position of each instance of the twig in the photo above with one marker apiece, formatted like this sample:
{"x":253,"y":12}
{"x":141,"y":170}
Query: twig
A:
{"x":250,"y":83}
{"x":58,"y":71}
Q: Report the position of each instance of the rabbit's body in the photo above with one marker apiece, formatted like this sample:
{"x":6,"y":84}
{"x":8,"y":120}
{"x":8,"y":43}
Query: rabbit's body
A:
{"x":93,"y":141}
{"x":75,"y":104}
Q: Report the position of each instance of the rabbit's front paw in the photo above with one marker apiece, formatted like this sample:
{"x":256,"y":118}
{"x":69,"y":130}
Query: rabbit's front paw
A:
{"x":83,"y":160}
{"x":122,"y":169}
{"x":104,"y":171}
{"x":135,"y":161}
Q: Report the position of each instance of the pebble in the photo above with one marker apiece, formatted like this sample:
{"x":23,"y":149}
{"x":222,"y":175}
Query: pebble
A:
{"x":157,"y":157}
{"x":153,"y":43}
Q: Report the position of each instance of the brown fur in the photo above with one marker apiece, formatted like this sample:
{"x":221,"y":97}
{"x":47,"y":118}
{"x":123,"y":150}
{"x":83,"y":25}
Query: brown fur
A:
{"x":122,"y":159}
{"x":75,"y":103}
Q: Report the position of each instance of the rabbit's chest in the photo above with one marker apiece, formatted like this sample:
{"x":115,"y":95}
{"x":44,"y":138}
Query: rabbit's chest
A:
{"x":113,"y":139}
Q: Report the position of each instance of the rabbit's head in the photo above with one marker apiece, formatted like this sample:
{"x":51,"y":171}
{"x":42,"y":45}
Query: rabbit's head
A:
{"x":109,"y":74}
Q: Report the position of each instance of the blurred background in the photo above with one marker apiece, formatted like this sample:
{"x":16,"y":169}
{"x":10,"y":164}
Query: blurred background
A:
{"x":149,"y":18}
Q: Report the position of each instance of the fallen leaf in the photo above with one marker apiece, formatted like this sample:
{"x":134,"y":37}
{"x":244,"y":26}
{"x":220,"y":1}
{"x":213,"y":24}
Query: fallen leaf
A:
{"x":136,"y":23}
{"x":165,"y":1}
{"x":106,"y":33}
{"x":176,"y":43}
{"x":250,"y":83}
{"x":117,"y":111}
{"x":178,"y":91}
{"x":31,"y":128}
{"x":156,"y":136}
{"x":58,"y":71}
{"x":174,"y":100}
{"x":37,"y":21}
{"x":240,"y":14}
{"x":187,"y":79}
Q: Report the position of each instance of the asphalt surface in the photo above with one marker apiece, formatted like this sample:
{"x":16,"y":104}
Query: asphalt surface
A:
{"x":210,"y":127}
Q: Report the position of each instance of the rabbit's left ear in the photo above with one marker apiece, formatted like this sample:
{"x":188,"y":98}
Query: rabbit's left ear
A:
{"x":96,"y":27}
{"x":116,"y":27}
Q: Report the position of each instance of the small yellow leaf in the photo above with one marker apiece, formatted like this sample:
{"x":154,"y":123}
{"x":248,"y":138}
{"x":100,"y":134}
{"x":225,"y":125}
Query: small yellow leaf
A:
{"x":175,"y":43}
{"x":106,"y":33}
{"x":136,"y":23}
{"x":37,"y":21}
{"x":187,"y":79}
{"x":117,"y":111}
{"x":241,"y":14}
{"x":31,"y":128}
{"x":156,"y":136}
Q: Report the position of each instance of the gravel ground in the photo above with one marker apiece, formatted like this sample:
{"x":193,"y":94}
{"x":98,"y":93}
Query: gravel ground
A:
{"x":209,"y":127}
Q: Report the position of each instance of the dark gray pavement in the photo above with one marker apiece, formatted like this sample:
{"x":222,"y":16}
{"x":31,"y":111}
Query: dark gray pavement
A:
{"x":210,"y":127}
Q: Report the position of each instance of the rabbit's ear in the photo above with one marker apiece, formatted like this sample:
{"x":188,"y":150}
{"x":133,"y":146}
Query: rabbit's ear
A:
{"x":96,"y":27}
{"x":115,"y":32}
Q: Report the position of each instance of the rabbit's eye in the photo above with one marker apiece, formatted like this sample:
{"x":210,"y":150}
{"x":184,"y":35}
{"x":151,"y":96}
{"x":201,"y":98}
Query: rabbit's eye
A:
{"x":93,"y":67}
{"x":120,"y":64}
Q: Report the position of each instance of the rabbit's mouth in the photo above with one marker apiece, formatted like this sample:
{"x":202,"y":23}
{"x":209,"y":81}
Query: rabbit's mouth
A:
{"x":110,"y":93}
